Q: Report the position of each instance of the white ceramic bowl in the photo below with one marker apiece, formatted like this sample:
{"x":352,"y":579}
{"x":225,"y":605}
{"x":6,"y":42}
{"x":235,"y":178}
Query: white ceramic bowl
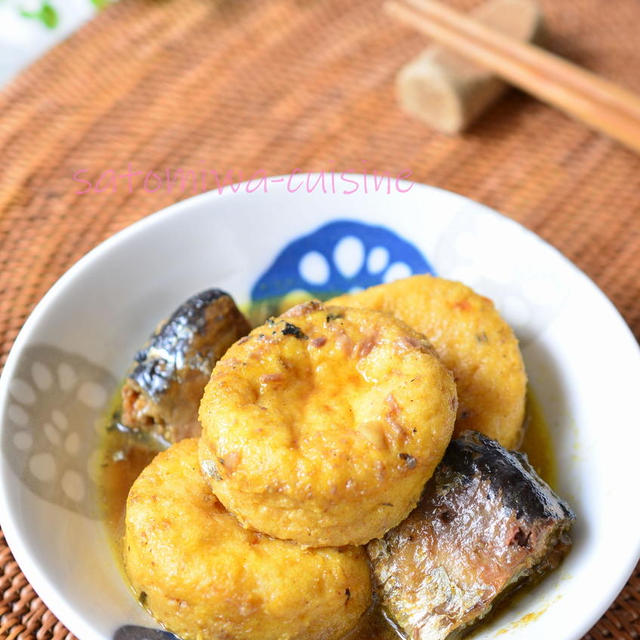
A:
{"x":582,"y":360}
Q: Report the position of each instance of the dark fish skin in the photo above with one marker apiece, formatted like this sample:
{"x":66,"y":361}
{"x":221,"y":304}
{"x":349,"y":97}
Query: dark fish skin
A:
{"x":163,"y":389}
{"x":485,"y":524}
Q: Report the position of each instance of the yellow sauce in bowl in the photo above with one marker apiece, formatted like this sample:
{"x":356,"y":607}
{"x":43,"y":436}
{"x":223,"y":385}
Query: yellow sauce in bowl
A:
{"x":123,"y":459}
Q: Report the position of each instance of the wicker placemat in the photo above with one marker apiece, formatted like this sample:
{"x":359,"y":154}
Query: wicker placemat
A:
{"x":272,"y":86}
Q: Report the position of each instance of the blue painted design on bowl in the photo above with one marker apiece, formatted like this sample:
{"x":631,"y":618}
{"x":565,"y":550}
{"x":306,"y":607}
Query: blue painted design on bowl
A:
{"x":339,"y":257}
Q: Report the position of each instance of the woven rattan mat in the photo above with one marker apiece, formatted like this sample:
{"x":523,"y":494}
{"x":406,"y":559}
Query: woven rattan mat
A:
{"x":271,"y":86}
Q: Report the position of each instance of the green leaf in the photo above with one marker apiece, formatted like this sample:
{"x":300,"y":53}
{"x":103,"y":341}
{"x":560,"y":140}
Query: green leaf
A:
{"x":100,"y":4}
{"x":47,"y":14}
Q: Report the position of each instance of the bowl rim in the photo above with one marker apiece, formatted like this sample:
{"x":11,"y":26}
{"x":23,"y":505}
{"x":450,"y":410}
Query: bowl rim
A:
{"x":47,"y":589}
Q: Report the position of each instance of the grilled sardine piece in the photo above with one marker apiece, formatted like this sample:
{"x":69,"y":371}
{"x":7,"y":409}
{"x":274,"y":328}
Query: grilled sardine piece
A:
{"x":485,"y":523}
{"x":163,"y":390}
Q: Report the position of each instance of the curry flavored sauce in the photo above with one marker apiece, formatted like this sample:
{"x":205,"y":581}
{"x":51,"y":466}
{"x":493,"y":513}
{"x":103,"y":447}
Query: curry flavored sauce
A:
{"x":123,"y":459}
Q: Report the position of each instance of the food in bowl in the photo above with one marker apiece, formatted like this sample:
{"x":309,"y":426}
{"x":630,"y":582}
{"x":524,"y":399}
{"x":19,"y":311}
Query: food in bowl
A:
{"x":163,"y":389}
{"x":484,"y":524}
{"x":196,"y":568}
{"x":323,"y":425}
{"x":471,"y":339}
{"x":278,"y":450}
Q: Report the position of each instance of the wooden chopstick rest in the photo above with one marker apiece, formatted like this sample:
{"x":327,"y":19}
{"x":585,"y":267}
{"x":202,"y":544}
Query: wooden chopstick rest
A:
{"x":448,"y":92}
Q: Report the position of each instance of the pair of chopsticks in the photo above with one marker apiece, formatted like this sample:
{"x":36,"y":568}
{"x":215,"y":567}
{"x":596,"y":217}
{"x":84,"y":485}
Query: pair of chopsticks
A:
{"x":595,"y":101}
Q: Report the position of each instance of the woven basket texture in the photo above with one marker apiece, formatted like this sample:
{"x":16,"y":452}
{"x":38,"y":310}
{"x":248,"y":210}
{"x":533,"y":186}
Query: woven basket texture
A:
{"x":277,"y":85}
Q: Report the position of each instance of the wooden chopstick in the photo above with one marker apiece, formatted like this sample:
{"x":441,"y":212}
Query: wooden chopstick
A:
{"x":595,"y":101}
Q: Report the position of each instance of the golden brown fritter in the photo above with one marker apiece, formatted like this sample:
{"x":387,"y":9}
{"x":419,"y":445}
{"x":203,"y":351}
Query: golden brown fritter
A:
{"x":323,"y":425}
{"x":206,"y":578}
{"x":471,"y":339}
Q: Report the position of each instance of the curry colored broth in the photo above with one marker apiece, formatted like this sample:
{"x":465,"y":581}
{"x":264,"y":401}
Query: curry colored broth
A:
{"x":537,"y":443}
{"x":123,"y":458}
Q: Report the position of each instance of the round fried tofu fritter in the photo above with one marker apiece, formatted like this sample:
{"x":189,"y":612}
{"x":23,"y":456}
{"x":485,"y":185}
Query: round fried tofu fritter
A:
{"x":204,"y":577}
{"x":323,"y":425}
{"x":471,"y":339}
